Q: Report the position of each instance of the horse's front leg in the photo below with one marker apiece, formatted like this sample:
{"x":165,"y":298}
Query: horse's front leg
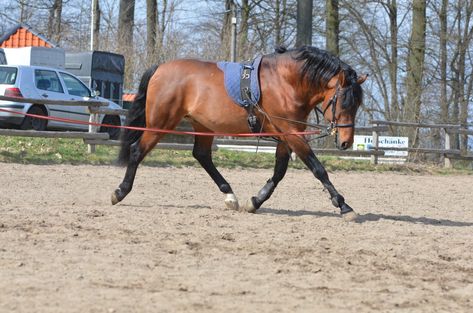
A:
{"x":303,"y":151}
{"x":280,"y":167}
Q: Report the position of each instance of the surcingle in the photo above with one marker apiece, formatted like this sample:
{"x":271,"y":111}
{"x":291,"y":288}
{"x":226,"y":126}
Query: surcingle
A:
{"x":242,"y":82}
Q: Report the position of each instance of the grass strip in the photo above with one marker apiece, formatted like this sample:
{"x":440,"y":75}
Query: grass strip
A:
{"x":26,"y":150}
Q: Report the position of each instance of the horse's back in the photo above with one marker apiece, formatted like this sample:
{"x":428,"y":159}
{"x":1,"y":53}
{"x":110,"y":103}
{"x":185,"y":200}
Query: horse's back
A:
{"x":186,"y":75}
{"x":196,"y":89}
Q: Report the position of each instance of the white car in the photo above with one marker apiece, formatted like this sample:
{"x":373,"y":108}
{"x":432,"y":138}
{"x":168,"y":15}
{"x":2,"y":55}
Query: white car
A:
{"x":37,"y":82}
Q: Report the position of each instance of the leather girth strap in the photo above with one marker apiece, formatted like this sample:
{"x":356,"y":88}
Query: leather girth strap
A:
{"x":245,"y":91}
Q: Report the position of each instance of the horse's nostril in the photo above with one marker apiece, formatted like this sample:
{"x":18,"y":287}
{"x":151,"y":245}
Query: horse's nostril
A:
{"x":344,"y":145}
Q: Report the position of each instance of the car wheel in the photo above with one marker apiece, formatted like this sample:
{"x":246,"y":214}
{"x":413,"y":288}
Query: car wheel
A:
{"x":113,"y":132}
{"x":35,"y":123}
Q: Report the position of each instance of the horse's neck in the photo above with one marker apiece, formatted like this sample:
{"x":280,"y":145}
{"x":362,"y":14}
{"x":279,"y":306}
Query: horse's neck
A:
{"x":281,"y":76}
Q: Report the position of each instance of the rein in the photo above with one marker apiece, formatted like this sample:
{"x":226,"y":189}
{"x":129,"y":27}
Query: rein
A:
{"x":330,"y":130}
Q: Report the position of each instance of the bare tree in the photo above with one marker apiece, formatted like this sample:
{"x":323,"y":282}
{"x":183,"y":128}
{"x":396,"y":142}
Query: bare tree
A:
{"x":96,"y":24}
{"x":126,"y":17}
{"x":332,"y":26}
{"x":244,"y":28}
{"x":391,"y":8}
{"x":415,"y":66}
{"x":444,"y":106}
{"x":304,"y":22}
{"x":151,"y":25}
{"x":280,"y":19}
{"x":270,"y":24}
{"x":461,"y":85}
{"x":26,"y":11}
{"x":226,"y":31}
{"x":373,"y":44}
{"x":54,"y":21}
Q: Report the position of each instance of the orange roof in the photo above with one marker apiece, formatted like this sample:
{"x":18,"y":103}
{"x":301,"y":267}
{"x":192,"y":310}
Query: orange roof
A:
{"x":129,"y":97}
{"x":22,"y":36}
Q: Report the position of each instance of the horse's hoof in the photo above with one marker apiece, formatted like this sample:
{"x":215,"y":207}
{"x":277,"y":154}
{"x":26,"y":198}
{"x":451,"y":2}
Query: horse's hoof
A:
{"x":115,"y":199}
{"x":249,"y":207}
{"x":350,"y":216}
{"x":232,"y":202}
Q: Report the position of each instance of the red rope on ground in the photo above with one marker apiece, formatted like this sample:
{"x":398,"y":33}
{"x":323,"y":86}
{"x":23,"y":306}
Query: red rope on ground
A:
{"x":165,"y":131}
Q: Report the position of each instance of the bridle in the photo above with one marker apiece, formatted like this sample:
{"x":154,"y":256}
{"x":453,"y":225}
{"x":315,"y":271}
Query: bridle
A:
{"x":333,"y":127}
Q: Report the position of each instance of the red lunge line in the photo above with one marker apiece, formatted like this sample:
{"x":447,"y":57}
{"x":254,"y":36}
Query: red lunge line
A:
{"x":165,"y":131}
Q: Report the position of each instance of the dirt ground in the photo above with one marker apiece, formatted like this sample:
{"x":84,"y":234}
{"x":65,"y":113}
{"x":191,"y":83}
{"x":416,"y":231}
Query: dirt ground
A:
{"x":171,"y":246}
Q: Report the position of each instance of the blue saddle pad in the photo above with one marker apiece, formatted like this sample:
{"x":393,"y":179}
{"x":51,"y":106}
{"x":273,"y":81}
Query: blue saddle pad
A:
{"x":232,"y":77}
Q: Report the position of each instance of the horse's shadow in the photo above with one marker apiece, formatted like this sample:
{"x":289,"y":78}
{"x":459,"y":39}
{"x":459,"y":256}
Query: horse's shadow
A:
{"x":371,"y":217}
{"x":362,"y":218}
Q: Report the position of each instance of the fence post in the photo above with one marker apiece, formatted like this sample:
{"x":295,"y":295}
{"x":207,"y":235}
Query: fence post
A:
{"x":447,"y":162}
{"x":374,"y":157}
{"x":94,"y":118}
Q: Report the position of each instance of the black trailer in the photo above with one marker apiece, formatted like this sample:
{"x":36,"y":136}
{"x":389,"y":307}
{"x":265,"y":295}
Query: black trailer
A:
{"x":101,"y":71}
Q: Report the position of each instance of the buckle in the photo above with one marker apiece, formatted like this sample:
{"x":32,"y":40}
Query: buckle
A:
{"x":332,"y":129}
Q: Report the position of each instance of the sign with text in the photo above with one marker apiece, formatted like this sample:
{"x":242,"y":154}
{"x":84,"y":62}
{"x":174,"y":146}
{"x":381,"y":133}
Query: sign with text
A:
{"x":366,"y":143}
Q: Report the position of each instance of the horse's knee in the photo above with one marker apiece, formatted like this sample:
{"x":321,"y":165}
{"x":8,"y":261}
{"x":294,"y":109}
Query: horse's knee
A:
{"x":201,"y":155}
{"x":320,"y":173}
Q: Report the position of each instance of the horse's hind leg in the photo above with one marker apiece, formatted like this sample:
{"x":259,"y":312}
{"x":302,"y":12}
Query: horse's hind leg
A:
{"x":303,"y":150}
{"x":138,"y":151}
{"x":202,"y":152}
{"x":280,"y":167}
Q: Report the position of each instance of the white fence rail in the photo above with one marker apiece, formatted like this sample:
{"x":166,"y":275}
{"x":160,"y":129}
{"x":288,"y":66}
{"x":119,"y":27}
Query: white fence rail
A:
{"x":94,"y":109}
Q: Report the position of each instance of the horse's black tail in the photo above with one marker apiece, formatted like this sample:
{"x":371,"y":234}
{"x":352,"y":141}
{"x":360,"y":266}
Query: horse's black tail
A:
{"x":136,"y":117}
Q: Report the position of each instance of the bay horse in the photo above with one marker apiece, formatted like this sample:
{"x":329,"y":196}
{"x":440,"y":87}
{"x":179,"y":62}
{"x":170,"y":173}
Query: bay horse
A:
{"x":293,"y":82}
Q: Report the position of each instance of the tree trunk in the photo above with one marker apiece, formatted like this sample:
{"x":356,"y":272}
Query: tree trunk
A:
{"x":304,"y":23}
{"x":126,"y":16}
{"x":226,"y":33}
{"x":54,"y":21}
{"x":166,"y":13}
{"x":463,"y":96}
{"x":415,"y":67}
{"x":279,"y":20}
{"x":151,"y":24}
{"x":96,"y":25}
{"x":455,"y":83}
{"x":243,"y":36}
{"x":443,"y":63}
{"x":332,"y":27}
{"x":393,"y":64}
{"x":459,"y":81}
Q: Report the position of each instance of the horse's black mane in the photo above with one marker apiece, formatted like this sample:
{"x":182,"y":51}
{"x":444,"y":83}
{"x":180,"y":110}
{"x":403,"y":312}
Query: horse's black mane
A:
{"x":319,"y":66}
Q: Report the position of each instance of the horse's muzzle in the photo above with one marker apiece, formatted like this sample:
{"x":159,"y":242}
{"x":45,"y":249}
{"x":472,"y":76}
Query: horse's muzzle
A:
{"x":344,"y":145}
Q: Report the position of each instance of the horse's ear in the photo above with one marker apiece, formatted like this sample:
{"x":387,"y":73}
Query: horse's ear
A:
{"x":362,"y":79}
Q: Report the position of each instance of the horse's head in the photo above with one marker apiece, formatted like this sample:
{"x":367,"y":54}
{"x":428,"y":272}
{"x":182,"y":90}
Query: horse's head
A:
{"x":331,"y":81}
{"x":342,"y":97}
